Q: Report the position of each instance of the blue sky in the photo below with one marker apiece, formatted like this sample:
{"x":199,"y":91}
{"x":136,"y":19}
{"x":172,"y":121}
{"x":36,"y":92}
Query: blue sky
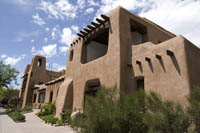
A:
{"x":47,"y":27}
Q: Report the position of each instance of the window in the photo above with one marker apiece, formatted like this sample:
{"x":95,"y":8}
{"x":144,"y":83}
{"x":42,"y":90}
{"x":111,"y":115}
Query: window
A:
{"x":39,"y":63}
{"x":42,"y":97}
{"x":51,"y":96}
{"x":71,"y":55}
{"x":140,"y":83}
{"x":34,"y":98}
{"x":138,"y":32}
{"x":96,"y":46}
{"x":92,"y":87}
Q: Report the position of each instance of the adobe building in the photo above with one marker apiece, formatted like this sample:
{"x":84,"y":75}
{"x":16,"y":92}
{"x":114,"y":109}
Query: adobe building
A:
{"x":120,"y":49}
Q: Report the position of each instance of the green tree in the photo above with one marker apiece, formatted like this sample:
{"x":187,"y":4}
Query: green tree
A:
{"x":133,"y":113}
{"x":1,"y":92}
{"x":7,"y":75}
{"x":194,"y":108}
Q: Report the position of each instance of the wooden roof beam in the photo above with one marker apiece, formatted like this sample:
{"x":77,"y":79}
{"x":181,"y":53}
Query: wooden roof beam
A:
{"x":95,"y":24}
{"x":105,"y":17}
{"x":80,"y":35}
{"x":87,"y":30}
{"x":100,"y":21}
{"x":91,"y":27}
{"x":82,"y":32}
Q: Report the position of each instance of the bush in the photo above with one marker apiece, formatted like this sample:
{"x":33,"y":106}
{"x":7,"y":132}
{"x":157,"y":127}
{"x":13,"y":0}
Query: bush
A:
{"x":50,"y":119}
{"x":66,"y":116}
{"x":165,"y":117}
{"x":136,"y":112}
{"x":194,"y":108}
{"x":16,"y":116}
{"x":27,"y":109}
{"x":47,"y":109}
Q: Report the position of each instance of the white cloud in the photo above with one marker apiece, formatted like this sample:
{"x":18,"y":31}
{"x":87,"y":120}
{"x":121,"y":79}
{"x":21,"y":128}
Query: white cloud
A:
{"x":81,"y":3}
{"x":55,"y":32}
{"x":180,"y":17}
{"x":59,"y":10}
{"x":38,"y":20}
{"x":108,"y":5}
{"x":58,"y":67}
{"x":63,"y":49}
{"x":32,"y":40}
{"x":90,"y":10}
{"x":92,"y":3}
{"x":47,"y":29}
{"x":47,"y":51}
{"x":3,"y":56}
{"x":67,"y":36}
{"x":75,"y":28}
{"x":45,"y":39}
{"x":177,"y":16}
{"x":12,"y":60}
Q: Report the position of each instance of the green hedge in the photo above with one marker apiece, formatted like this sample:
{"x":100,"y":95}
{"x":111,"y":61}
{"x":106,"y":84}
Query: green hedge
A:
{"x":16,"y":116}
{"x":133,"y":113}
{"x":50,"y":119}
{"x":27,"y":109}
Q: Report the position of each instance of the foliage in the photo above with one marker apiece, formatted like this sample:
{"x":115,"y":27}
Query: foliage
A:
{"x":47,"y":109}
{"x":165,"y":117}
{"x":1,"y":92}
{"x":66,"y":115}
{"x":11,"y":93}
{"x":27,"y":109}
{"x":194,"y":108}
{"x":50,"y":119}
{"x":7,"y":75}
{"x":136,"y":112}
{"x":16,"y":116}
{"x":59,"y":123}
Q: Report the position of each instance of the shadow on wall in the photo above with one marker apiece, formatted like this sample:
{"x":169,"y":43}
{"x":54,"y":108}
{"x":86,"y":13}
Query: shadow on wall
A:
{"x":174,"y":61}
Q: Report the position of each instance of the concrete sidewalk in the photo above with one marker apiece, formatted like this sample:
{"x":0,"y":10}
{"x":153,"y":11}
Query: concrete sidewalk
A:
{"x":32,"y":125}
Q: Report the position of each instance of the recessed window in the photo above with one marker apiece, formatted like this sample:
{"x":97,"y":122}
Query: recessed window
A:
{"x":39,"y":63}
{"x":71,"y":55}
{"x":92,"y":87}
{"x":140,"y":83}
{"x":96,"y":46}
{"x":51,"y":96}
{"x":34,"y":98}
{"x":41,"y":97}
{"x":138,"y":32}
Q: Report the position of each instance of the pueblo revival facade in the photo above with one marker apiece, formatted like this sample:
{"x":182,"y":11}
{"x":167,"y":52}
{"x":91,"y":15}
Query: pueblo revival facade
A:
{"x":120,"y":49}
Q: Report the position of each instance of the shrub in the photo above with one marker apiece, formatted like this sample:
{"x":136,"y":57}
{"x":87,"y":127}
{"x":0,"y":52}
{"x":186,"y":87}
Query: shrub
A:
{"x":47,"y":109}
{"x":59,"y":123}
{"x":16,"y":116}
{"x":136,"y":112}
{"x":194,"y":108}
{"x":66,"y":116}
{"x":27,"y":109}
{"x":50,"y":119}
{"x":165,"y":117}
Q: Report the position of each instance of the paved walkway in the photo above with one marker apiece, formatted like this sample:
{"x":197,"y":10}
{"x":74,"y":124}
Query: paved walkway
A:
{"x":32,"y":125}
